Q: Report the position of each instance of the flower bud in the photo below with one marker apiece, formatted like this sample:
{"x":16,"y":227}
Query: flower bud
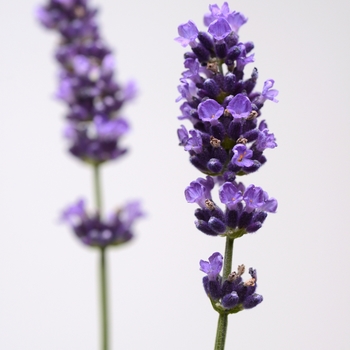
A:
{"x":252,"y":301}
{"x":216,"y":225}
{"x":214,"y":165}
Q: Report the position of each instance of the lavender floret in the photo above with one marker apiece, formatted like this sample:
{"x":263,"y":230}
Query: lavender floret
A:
{"x":232,"y":294}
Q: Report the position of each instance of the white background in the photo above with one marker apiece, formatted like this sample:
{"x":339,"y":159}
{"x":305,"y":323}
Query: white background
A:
{"x":48,"y":281}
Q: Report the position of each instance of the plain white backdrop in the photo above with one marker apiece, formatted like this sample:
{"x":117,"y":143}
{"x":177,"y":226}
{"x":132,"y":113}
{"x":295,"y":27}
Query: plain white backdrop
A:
{"x":48,"y":281}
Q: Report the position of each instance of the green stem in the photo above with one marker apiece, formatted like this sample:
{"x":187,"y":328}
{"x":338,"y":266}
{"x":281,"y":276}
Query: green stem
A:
{"x":97,"y":188}
{"x":102,"y":266}
{"x":228,"y":258}
{"x":223,"y":317}
{"x":221,"y":332}
{"x":104,"y":302}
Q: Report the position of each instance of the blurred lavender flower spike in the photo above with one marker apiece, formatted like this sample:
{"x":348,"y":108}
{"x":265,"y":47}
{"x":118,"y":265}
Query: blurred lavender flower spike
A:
{"x":94,"y":231}
{"x":87,"y":82}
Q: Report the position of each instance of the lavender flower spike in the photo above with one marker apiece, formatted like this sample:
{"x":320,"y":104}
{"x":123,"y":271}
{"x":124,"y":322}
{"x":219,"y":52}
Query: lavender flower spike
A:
{"x":94,"y":126}
{"x":226,"y":140}
{"x":87,"y":83}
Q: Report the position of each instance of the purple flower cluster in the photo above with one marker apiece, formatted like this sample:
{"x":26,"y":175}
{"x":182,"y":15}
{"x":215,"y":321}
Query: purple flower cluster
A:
{"x":246,"y":208}
{"x":231,"y":295}
{"x":93,"y":231}
{"x":94,"y":125}
{"x":86,"y":82}
{"x":227,"y":138}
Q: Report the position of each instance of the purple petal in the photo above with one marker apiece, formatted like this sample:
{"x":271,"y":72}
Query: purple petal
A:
{"x":236,"y":20}
{"x":65,"y":91}
{"x":188,"y":33}
{"x":265,"y":140}
{"x":131,"y":212}
{"x":219,"y":29}
{"x":130,"y":90}
{"x":270,"y":205}
{"x":210,"y":110}
{"x":187,"y":90}
{"x":254,"y":198}
{"x":240,"y":106}
{"x":107,"y":65}
{"x":75,"y":213}
{"x":110,"y":129}
{"x":194,"y":143}
{"x":213,"y":267}
{"x":44,"y":17}
{"x":241,"y":156}
{"x":216,"y":12}
{"x":182,"y":134}
{"x":268,"y":93}
{"x":195,"y":193}
{"x":81,"y":65}
{"x":208,"y":184}
{"x":230,"y":195}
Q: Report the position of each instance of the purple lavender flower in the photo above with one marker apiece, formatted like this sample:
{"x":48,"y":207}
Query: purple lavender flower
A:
{"x":75,"y":213}
{"x":219,"y":29}
{"x":268,"y":93}
{"x":242,"y":156}
{"x":210,"y":111}
{"x":94,"y":125}
{"x":239,"y":106}
{"x":188,"y":33}
{"x":219,"y":102}
{"x":87,"y":83}
{"x":194,"y":143}
{"x":232,"y":294}
{"x":110,"y":129}
{"x":93,"y":231}
{"x":246,"y":208}
{"x":236,"y":20}
{"x":195,"y":193}
{"x":227,"y":141}
{"x":265,"y":139}
{"x":230,"y":195}
{"x":182,"y":134}
{"x":216,"y":12}
{"x":186,"y":89}
{"x":212,"y":267}
{"x":199,"y":191}
{"x":193,"y":70}
{"x":254,"y":198}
